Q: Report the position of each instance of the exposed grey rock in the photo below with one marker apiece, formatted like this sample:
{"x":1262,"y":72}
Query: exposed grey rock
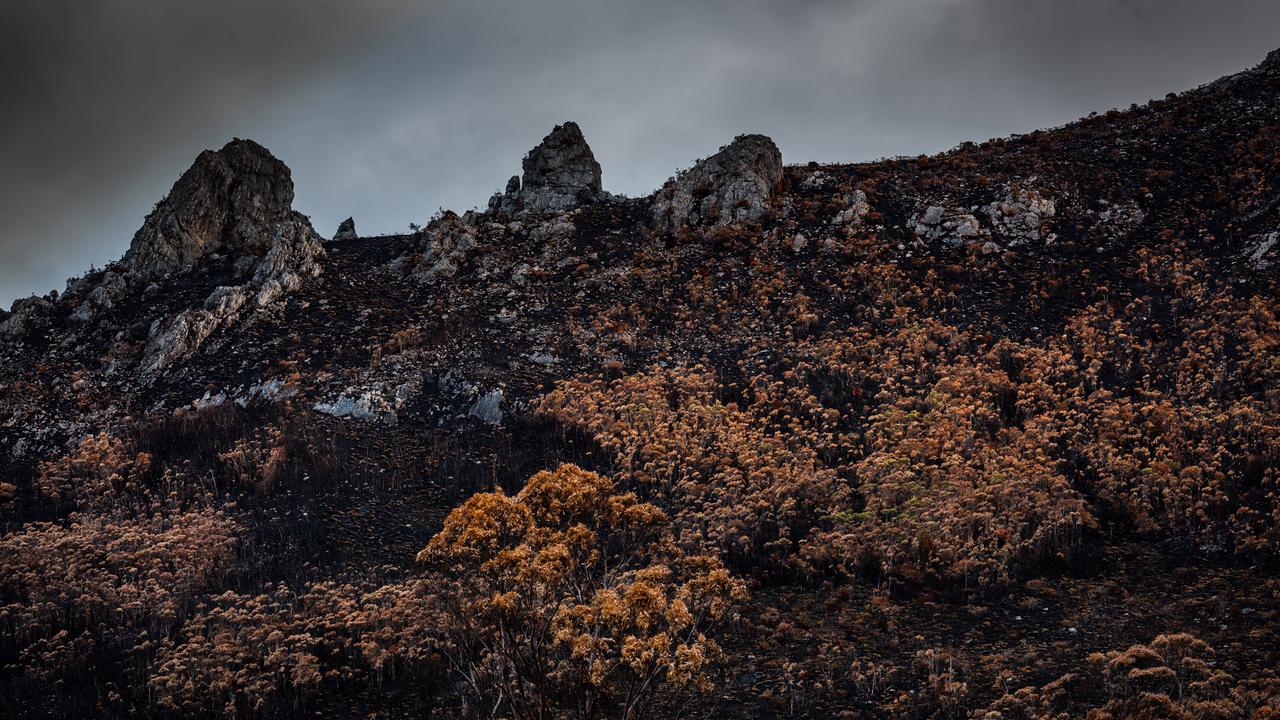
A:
{"x":293,"y":257}
{"x":101,"y":298}
{"x":508,"y":201}
{"x":444,"y":246}
{"x":365,"y":405}
{"x":1116,"y":221}
{"x":488,"y":408}
{"x":236,"y":200}
{"x":1021,"y":216}
{"x":346,"y":230}
{"x":1262,"y":253}
{"x":229,"y":200}
{"x":734,"y":185}
{"x":24,"y":314}
{"x":177,"y":338}
{"x":857,"y":209}
{"x":950,"y":226}
{"x":378,"y":400}
{"x":815,"y":180}
{"x":561,"y":173}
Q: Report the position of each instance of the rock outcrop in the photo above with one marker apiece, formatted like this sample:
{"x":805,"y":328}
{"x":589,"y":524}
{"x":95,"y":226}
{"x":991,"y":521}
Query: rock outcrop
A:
{"x":443,"y":246}
{"x":508,"y":201}
{"x":1263,"y":251}
{"x":560,"y":174}
{"x":735,"y":185}
{"x":346,"y":230}
{"x":25,"y":314}
{"x":293,"y":258}
{"x":235,"y":200}
{"x":1021,"y":216}
{"x":950,"y":226}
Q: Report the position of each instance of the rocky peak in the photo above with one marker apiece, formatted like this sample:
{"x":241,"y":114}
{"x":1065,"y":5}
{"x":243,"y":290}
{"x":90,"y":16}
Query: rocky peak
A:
{"x":238,"y":202}
{"x":346,"y":230}
{"x":228,"y":201}
{"x":734,"y":185}
{"x":561,"y":173}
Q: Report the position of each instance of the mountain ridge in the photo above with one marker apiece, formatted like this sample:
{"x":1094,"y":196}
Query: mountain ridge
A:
{"x":945,"y":415}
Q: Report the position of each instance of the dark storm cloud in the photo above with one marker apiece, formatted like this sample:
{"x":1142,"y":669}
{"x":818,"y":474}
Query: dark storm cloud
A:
{"x":389,"y":110}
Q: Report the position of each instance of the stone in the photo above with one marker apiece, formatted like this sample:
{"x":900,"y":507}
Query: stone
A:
{"x":1116,"y":221}
{"x":293,"y":257}
{"x":949,"y":226}
{"x":1259,"y":253}
{"x":231,"y":200}
{"x":561,"y":173}
{"x":443,"y":247}
{"x":488,"y":408}
{"x":361,"y":405}
{"x":858,"y":208}
{"x":346,"y":230}
{"x":736,"y":185}
{"x":177,"y":338}
{"x":101,"y":298}
{"x":235,"y":202}
{"x":24,"y":314}
{"x":1021,"y":216}
{"x":508,"y":201}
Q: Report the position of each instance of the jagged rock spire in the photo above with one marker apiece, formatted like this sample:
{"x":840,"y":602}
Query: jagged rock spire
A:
{"x":228,"y":201}
{"x":346,"y":230}
{"x":237,"y":201}
{"x":560,"y":174}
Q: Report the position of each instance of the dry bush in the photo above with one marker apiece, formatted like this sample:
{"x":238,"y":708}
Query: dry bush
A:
{"x":257,"y":462}
{"x":570,"y":599}
{"x":1175,"y":677}
{"x":100,"y":473}
{"x":123,"y":572}
{"x":742,"y":482}
{"x":252,"y":655}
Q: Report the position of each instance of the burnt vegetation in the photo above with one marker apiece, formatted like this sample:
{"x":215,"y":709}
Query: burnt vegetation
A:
{"x":988,"y":434}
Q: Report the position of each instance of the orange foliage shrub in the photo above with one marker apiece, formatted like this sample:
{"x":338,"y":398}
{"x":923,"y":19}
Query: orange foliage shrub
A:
{"x":132,"y":571}
{"x":98,"y":474}
{"x":572,"y":599}
{"x":1174,"y":677}
{"x":743,"y":482}
{"x":249,"y":654}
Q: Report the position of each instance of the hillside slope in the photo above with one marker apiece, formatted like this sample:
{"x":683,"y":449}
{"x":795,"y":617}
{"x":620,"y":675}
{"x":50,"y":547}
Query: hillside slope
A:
{"x":964,"y":425}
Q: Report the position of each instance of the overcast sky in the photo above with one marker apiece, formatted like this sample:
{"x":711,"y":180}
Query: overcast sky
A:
{"x":388,"y":109}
